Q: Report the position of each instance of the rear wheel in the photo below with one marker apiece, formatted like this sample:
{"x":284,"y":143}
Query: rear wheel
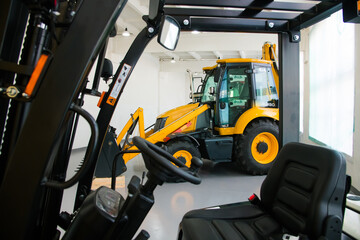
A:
{"x":256,"y":149}
{"x":184,"y":151}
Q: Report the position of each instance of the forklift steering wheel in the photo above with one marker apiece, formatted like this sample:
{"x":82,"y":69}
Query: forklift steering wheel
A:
{"x":165,"y":160}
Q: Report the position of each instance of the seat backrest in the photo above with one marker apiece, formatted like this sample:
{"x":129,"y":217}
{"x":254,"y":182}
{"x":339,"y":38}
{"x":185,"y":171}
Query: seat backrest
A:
{"x":305,"y":188}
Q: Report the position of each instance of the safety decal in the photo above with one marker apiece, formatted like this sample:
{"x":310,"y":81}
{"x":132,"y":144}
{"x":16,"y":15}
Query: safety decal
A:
{"x":118,"y":84}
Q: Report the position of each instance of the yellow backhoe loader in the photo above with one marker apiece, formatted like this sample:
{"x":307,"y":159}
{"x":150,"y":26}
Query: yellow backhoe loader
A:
{"x":234,"y":117}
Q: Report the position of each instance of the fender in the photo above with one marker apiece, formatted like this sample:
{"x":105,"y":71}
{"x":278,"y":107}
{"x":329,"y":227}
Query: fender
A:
{"x":252,"y":114}
{"x":182,"y":135}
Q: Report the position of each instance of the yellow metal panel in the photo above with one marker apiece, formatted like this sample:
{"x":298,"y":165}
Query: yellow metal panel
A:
{"x":176,"y":113}
{"x":162,"y":133}
{"x":138,"y":114}
{"x":242,"y":60}
{"x":253,"y":113}
{"x":141,"y":123}
{"x":209,"y":68}
{"x":191,"y":127}
{"x":148,"y":133}
{"x":225,"y":131}
{"x":269,"y":53}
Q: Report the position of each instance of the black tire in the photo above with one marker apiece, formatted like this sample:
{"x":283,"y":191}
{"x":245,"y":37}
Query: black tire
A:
{"x":184,"y":151}
{"x":256,"y":149}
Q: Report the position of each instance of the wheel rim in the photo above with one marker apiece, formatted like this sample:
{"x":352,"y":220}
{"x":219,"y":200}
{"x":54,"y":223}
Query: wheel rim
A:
{"x":264,"y":147}
{"x":184,"y":156}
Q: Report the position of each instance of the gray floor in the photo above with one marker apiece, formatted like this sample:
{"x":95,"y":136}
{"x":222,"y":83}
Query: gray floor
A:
{"x":221,"y":183}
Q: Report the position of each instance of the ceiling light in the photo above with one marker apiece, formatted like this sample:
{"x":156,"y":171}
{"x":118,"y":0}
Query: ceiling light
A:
{"x":195,"y":32}
{"x":126,"y":33}
{"x":173,"y":60}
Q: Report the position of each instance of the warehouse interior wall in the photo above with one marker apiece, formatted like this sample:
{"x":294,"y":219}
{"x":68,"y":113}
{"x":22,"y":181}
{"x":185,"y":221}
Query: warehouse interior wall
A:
{"x":158,"y":86}
{"x":174,"y":82}
{"x":141,"y":91}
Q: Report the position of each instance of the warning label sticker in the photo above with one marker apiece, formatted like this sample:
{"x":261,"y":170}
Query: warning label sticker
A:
{"x":118,"y":84}
{"x":111,"y":101}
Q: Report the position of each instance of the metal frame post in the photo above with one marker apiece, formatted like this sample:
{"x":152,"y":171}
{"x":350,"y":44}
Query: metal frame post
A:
{"x":289,"y":89}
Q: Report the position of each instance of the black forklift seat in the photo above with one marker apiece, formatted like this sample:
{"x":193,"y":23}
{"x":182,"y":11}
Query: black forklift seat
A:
{"x":302,"y":195}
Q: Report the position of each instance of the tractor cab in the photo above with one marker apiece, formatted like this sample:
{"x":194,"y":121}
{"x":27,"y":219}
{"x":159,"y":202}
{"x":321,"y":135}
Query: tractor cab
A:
{"x":234,"y":86}
{"x":243,"y":84}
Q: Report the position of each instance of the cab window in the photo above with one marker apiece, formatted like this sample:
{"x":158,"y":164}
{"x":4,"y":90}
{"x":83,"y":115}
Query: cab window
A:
{"x":209,"y":83}
{"x":238,"y":92}
{"x":238,"y":88}
{"x":266,"y":94}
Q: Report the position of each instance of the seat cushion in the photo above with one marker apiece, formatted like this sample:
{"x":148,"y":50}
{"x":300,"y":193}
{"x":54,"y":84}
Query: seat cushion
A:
{"x":236,"y":221}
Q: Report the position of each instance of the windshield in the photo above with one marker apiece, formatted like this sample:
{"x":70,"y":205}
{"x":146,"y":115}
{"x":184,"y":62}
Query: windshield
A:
{"x":209,"y":82}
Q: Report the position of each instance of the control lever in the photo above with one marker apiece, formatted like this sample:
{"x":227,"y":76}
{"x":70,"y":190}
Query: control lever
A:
{"x":143,"y":235}
{"x":196,"y":164}
{"x":134,"y":185}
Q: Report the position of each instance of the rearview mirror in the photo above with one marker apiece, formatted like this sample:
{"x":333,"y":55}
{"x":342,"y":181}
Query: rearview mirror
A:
{"x":169,"y":33}
{"x":196,"y":96}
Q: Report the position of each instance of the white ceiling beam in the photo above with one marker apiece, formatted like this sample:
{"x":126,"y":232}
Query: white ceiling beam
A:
{"x":122,"y":24}
{"x":195,"y":55}
{"x":172,"y":55}
{"x":210,"y":41}
{"x":218,"y":54}
{"x":242,"y":54}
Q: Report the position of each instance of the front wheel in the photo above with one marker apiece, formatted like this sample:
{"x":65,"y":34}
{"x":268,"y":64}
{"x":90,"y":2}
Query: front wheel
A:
{"x":184,"y":151}
{"x":256,"y":149}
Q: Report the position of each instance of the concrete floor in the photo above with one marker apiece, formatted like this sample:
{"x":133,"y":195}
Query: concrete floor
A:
{"x":222,"y":183}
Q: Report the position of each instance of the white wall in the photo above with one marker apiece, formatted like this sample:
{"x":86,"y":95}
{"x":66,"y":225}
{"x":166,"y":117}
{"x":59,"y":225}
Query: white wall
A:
{"x":353,"y":162}
{"x":171,"y":90}
{"x":141,"y":91}
{"x":174,"y":82}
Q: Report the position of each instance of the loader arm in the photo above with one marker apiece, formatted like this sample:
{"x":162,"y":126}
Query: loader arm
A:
{"x":161,"y":134}
{"x":139,"y":114}
{"x":269,"y":53}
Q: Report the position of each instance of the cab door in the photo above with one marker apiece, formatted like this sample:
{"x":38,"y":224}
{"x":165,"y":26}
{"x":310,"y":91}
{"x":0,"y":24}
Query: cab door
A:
{"x":234,"y":95}
{"x":265,"y":88}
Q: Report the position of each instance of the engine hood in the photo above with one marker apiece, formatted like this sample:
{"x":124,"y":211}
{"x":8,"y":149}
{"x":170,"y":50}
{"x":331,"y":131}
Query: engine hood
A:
{"x":178,"y":112}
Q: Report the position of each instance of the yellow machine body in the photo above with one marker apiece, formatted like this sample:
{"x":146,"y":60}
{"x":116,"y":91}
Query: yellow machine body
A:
{"x":184,"y":120}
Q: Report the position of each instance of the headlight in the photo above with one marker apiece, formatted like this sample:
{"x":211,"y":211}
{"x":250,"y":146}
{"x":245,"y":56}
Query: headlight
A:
{"x":159,"y":124}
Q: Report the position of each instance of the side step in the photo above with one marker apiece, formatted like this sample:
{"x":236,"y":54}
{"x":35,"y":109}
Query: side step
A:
{"x":219,"y":149}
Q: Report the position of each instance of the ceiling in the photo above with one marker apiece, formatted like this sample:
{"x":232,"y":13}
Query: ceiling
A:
{"x":231,"y":15}
{"x":131,"y":19}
